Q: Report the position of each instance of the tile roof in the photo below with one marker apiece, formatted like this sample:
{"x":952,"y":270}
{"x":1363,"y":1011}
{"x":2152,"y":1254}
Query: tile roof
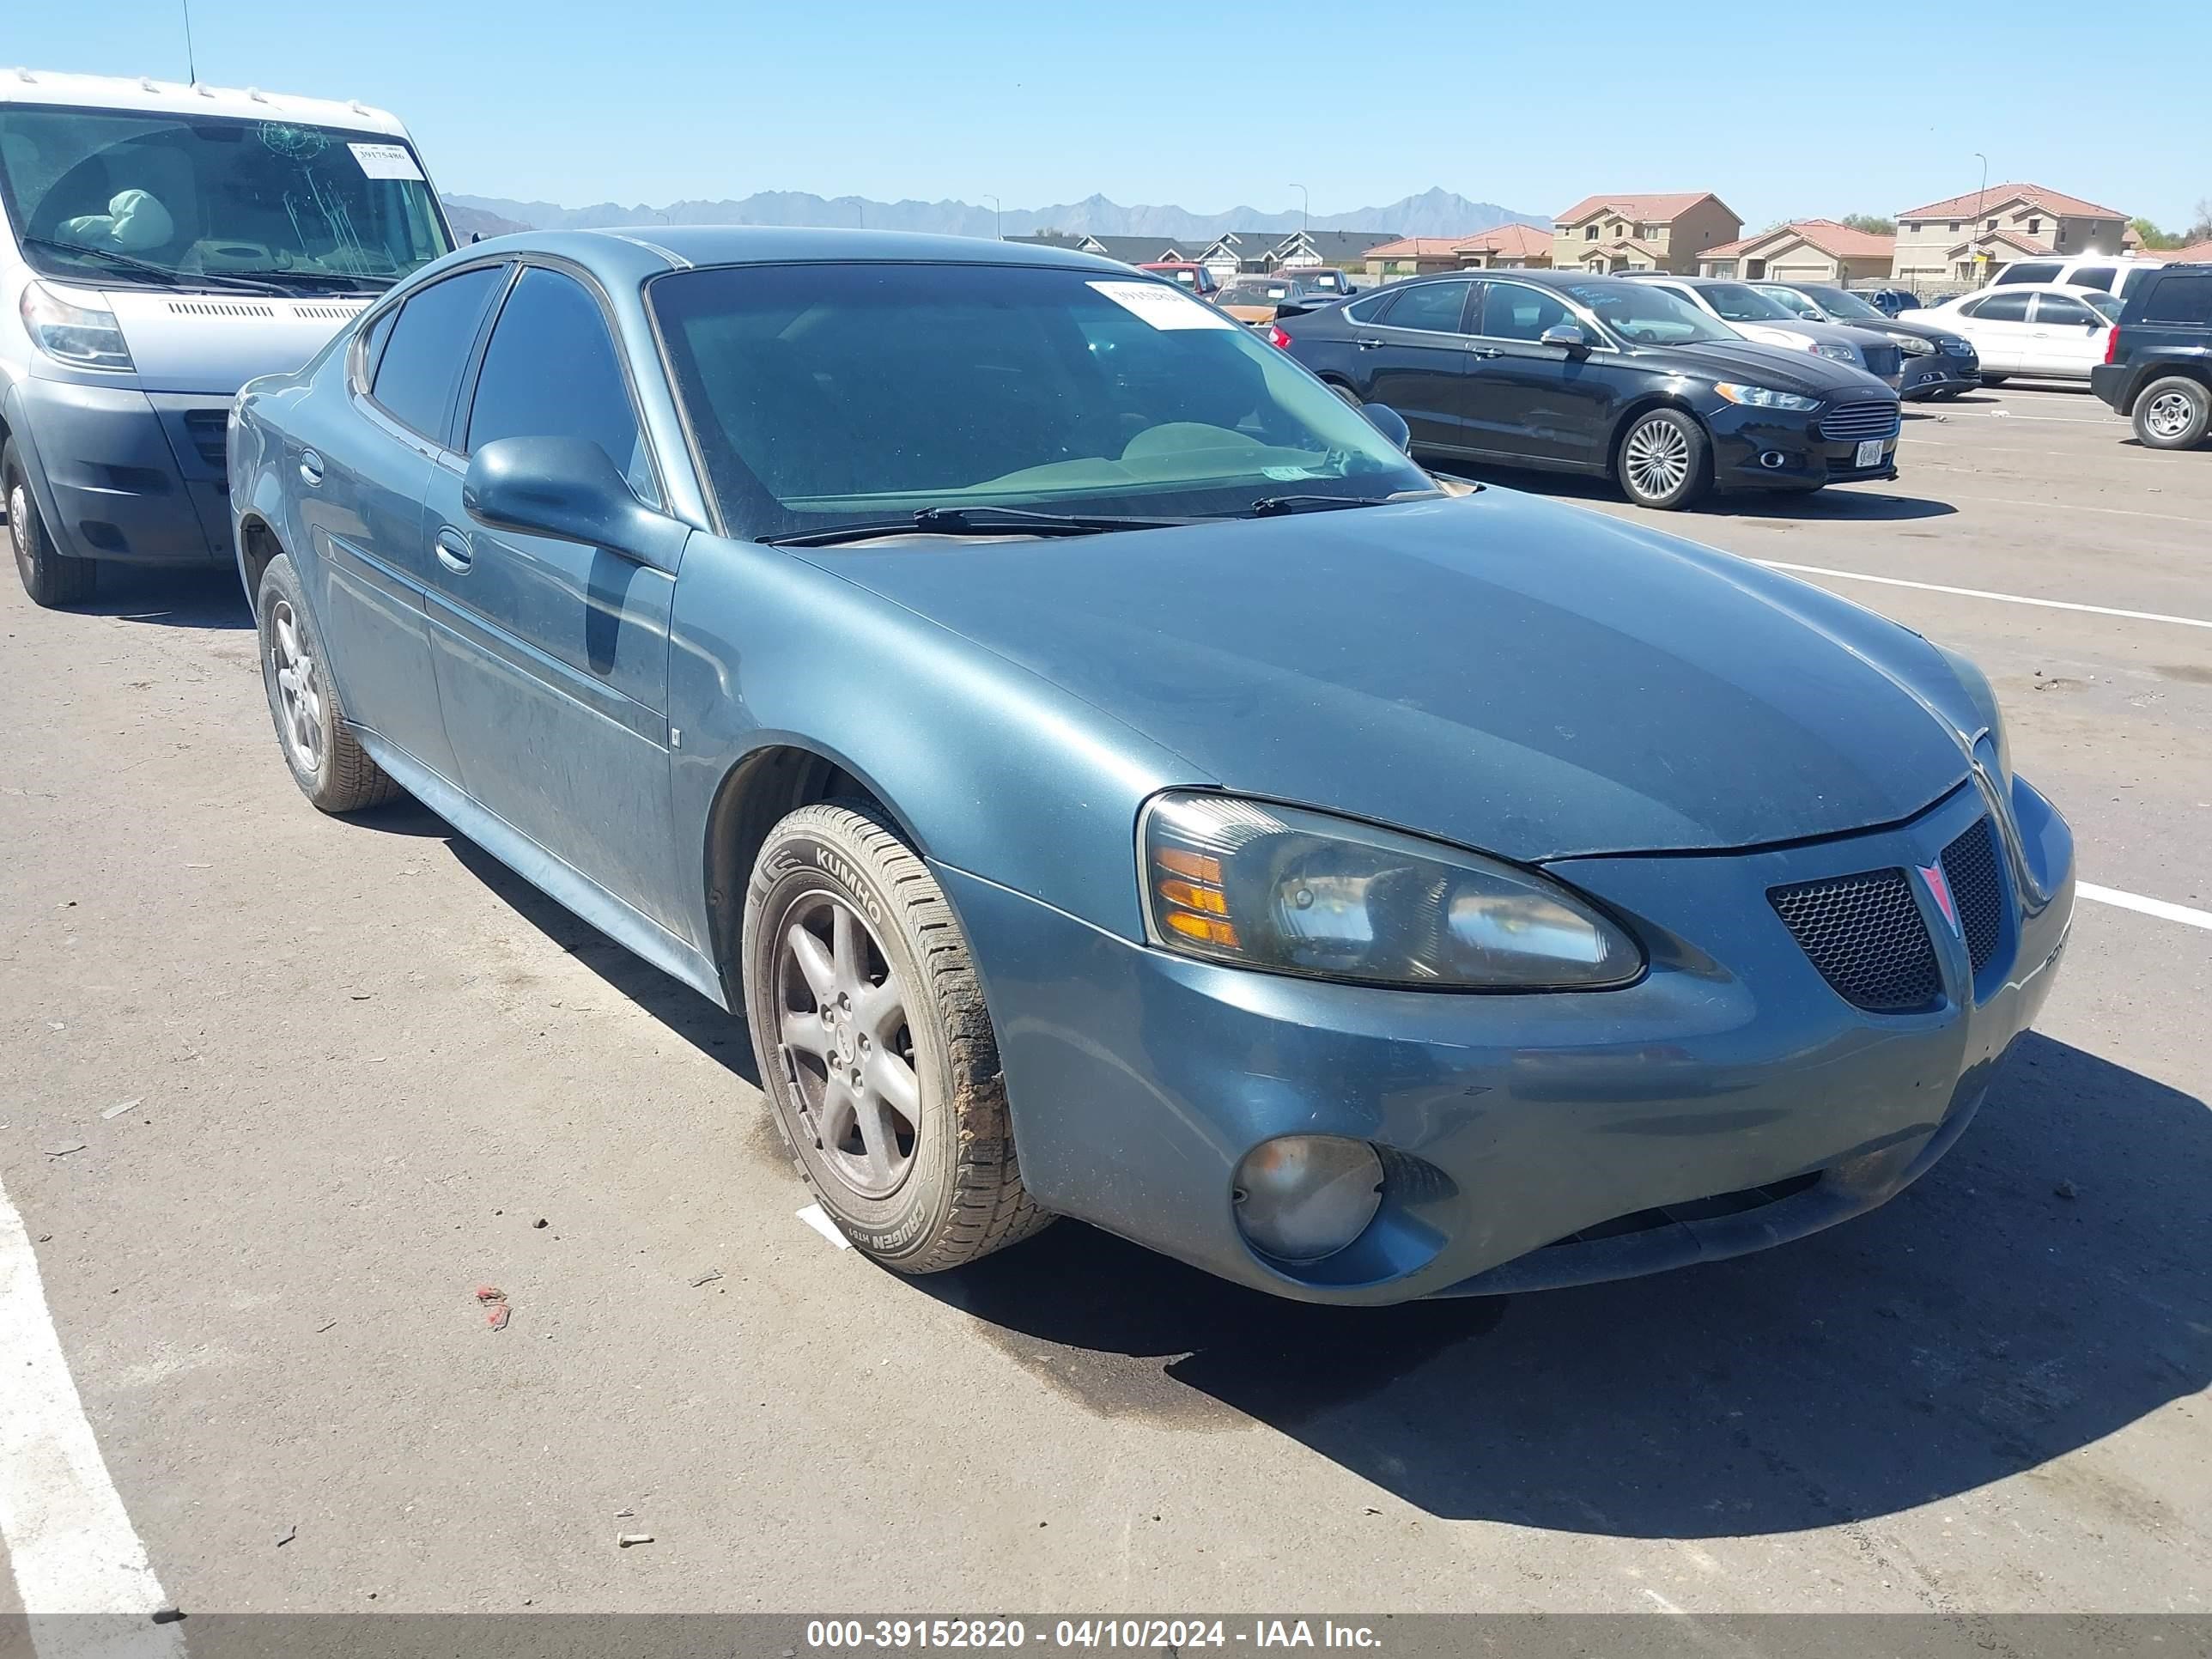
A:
{"x":2196,"y":254}
{"x":1513,"y":241}
{"x":1837,"y":240}
{"x":1961,"y":207}
{"x":1420,"y":248}
{"x":1662,"y":206}
{"x":2011,"y":239}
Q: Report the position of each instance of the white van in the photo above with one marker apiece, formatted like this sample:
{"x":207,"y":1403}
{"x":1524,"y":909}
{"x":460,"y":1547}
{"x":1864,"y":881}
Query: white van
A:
{"x":2113,"y":273}
{"x":159,"y":245}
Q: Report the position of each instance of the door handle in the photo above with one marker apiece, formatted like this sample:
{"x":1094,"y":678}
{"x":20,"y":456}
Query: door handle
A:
{"x":453,"y":551}
{"x":1484,"y":351}
{"x":311,"y":468}
{"x":1369,"y":344}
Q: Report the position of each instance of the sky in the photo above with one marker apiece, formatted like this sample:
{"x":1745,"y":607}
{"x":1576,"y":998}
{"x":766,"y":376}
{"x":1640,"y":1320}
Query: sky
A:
{"x":1785,"y":111}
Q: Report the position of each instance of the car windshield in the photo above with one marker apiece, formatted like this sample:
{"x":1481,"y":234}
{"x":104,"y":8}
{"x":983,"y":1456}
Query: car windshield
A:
{"x":159,"y":199}
{"x":1798,"y":303}
{"x":824,"y":394}
{"x":1737,"y":302}
{"x":1649,"y":316}
{"x":1844,"y":305}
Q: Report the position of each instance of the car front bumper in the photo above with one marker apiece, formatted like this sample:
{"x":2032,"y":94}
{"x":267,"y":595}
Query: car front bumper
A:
{"x":125,"y":475}
{"x":1924,"y":377}
{"x":1770,"y":449}
{"x":1729,"y":1100}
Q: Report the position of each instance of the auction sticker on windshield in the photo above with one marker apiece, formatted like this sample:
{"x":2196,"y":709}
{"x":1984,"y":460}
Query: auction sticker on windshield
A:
{"x":385,"y":160}
{"x":1162,"y":307}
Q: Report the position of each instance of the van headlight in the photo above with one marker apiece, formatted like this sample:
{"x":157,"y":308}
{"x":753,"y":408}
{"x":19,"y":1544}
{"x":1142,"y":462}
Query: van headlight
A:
{"x":73,"y":327}
{"x":1292,"y":891}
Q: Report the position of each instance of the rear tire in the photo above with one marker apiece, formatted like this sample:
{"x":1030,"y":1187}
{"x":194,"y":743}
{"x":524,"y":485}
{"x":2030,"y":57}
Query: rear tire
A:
{"x":1346,"y":393}
{"x":2173,"y":413}
{"x":876,"y":1050}
{"x":50,"y":576}
{"x":331,"y":767}
{"x":1665,"y":460}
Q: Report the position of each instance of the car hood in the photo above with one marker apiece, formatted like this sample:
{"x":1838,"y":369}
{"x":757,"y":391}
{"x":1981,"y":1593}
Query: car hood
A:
{"x":1785,"y":369}
{"x":1534,"y":680}
{"x":215,"y":342}
{"x":1910,"y":324}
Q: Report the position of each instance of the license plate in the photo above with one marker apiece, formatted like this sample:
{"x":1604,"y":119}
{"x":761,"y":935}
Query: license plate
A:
{"x":1869,"y":452}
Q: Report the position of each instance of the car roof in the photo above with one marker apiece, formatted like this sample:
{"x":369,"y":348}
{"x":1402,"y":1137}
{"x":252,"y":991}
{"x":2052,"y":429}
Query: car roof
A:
{"x":113,"y":92}
{"x":741,"y":244}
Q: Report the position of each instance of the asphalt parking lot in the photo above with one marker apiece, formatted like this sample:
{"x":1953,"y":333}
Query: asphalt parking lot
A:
{"x":369,"y":1071}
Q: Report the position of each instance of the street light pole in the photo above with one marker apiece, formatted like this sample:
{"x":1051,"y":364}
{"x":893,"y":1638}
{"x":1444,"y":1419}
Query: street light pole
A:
{"x":997,"y":218}
{"x":1305,"y":210}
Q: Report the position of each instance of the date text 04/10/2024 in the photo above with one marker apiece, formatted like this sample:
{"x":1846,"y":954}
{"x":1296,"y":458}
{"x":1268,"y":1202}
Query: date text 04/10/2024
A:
{"x":1126,"y":1634}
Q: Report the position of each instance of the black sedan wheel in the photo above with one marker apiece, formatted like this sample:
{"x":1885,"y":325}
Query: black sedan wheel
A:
{"x":2175,"y":413}
{"x":875,"y":1047}
{"x":1664,"y":459}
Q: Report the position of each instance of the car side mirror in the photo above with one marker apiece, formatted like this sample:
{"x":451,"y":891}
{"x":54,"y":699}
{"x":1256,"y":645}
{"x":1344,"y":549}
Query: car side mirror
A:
{"x":1567,"y":336}
{"x":568,"y":487}
{"x":1390,"y":423}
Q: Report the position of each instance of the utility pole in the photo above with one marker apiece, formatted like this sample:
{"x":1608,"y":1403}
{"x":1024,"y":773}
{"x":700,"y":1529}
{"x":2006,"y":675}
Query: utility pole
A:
{"x":997,"y":218}
{"x":1979,"y":196}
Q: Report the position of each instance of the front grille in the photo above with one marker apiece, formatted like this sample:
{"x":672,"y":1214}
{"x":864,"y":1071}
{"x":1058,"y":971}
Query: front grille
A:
{"x":207,"y":430}
{"x":1969,"y":866}
{"x":1881,"y":362}
{"x":1866,"y":936}
{"x":1853,"y":422}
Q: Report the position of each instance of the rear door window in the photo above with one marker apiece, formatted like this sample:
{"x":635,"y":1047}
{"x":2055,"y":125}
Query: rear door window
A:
{"x":2181,"y":298}
{"x":1430,"y":307}
{"x":429,"y":346}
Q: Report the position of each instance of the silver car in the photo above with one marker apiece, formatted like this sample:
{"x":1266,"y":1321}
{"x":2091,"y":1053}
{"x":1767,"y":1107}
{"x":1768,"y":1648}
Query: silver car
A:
{"x":1769,"y":322}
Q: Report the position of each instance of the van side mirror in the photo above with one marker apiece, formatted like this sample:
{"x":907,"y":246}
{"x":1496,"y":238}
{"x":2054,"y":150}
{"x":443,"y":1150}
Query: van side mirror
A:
{"x":568,"y":487}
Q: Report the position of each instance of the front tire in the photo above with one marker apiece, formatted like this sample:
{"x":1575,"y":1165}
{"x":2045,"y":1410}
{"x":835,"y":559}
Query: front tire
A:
{"x":2173,"y":413}
{"x":876,"y":1050}
{"x":1665,"y":460}
{"x":331,"y":767}
{"x":50,"y":576}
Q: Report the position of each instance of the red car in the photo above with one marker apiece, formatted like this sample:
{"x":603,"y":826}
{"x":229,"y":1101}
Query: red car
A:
{"x":1195,"y":277}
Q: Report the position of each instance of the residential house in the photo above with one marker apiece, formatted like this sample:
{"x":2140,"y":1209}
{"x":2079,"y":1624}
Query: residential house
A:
{"x":1411,"y":256}
{"x":1656,"y":232}
{"x":1803,"y":250}
{"x":1508,"y":247}
{"x":2196,"y":254}
{"x":1263,"y":252}
{"x":1129,"y":249}
{"x":1967,"y":238}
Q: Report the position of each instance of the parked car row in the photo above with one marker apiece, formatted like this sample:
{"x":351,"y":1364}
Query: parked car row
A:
{"x":2047,"y":329}
{"x":1935,"y":362}
{"x":1608,"y":375}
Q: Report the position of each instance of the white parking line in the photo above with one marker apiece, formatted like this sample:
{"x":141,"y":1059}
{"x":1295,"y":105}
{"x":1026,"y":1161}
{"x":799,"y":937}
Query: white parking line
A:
{"x":2022,"y":503}
{"x":73,"y":1548}
{"x":813,"y":1216}
{"x":1983,"y":593}
{"x":2150,"y":907}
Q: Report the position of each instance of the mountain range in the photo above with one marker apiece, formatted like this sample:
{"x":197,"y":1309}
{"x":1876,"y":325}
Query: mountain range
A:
{"x":1433,"y":213}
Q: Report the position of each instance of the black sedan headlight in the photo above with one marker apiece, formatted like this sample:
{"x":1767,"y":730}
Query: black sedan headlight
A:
{"x":1292,"y":891}
{"x":1913,"y":346}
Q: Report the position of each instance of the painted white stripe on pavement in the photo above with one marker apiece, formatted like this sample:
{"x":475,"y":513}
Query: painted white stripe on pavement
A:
{"x":2076,"y":507}
{"x":2149,"y":907}
{"x":1983,"y":593}
{"x":813,"y":1216}
{"x":72,"y":1546}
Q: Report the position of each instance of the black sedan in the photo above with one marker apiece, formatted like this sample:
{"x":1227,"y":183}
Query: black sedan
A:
{"x":1939,"y":363}
{"x":1582,"y":373}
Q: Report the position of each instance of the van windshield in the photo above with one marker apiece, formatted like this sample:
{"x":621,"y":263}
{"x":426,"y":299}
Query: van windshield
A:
{"x":123,"y":196}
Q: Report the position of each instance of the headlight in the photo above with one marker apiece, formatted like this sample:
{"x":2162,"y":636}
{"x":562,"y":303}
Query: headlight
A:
{"x":1959,"y":348}
{"x":76,"y":330}
{"x":1913,"y":346}
{"x":1760,"y":396}
{"x":1838,"y":353}
{"x":1297,"y":892}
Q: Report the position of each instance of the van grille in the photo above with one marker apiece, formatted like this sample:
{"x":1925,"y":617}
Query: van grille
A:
{"x":1866,"y":937}
{"x":1882,"y":362}
{"x":1855,"y":422}
{"x":208,"y":430}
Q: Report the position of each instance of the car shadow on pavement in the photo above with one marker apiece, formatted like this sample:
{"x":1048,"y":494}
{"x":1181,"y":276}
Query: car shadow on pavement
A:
{"x":2047,"y":1285}
{"x":1842,"y":502}
{"x":173,"y":598}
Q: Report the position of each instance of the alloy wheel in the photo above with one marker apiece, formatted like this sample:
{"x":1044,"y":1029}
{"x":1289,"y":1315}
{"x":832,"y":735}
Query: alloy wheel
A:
{"x":2169,"y":414}
{"x":298,"y":689}
{"x":19,"y":528}
{"x":848,"y":1046}
{"x":1658,"y":459}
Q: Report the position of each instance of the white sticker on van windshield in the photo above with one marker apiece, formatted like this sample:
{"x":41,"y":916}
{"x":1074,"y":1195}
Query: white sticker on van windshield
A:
{"x":385,"y":160}
{"x":1162,"y":307}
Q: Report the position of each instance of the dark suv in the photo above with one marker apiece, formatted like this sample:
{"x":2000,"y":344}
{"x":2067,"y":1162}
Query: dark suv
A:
{"x":2158,"y":366}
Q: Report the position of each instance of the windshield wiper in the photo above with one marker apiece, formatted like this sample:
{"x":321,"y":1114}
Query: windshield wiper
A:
{"x":1271,"y":507}
{"x":162,"y":274}
{"x":348,"y":284}
{"x":969,"y":521}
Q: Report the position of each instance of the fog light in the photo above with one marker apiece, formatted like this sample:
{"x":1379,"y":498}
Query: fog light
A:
{"x":1300,"y":1198}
